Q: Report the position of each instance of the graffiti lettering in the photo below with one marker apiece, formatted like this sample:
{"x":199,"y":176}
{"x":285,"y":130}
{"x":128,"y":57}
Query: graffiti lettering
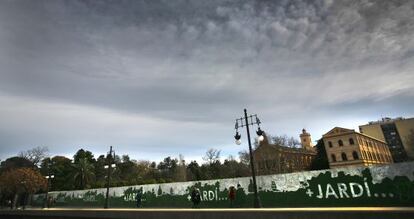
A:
{"x":342,"y":190}
{"x":361,"y":190}
{"x":210,"y":195}
{"x":204,"y":198}
{"x":130,"y":197}
{"x":330,"y":191}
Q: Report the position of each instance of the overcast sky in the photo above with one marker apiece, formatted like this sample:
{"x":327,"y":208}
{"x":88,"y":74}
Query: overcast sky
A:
{"x":163,"y":78}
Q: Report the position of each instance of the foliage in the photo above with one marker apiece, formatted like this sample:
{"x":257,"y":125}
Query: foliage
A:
{"x":87,"y":172}
{"x":16,"y":162}
{"x":22,"y":180}
{"x":59,"y":166}
{"x":83,"y":173}
{"x":100,"y":172}
{"x":321,"y":160}
{"x":168,"y":168}
{"x":193,"y":171}
{"x":80,"y":154}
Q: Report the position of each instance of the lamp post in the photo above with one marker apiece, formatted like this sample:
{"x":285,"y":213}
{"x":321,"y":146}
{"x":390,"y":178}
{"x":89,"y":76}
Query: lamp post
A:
{"x":49,"y":177}
{"x":109,"y":159}
{"x":247,"y":121}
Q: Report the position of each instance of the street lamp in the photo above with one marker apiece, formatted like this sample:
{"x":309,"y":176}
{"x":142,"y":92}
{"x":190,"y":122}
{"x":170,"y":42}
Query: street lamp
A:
{"x":49,"y":177}
{"x":109,"y":159}
{"x":247,"y":121}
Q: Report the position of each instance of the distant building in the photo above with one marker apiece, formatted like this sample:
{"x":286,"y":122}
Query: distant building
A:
{"x":398,"y":133}
{"x":273,"y":159}
{"x":346,"y":147}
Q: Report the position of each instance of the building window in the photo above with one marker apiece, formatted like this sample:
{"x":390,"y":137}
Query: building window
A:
{"x":340,"y":143}
{"x":330,"y":144}
{"x":333,"y":157}
{"x":344,"y":158}
{"x":355,"y":155}
{"x":351,"y":141}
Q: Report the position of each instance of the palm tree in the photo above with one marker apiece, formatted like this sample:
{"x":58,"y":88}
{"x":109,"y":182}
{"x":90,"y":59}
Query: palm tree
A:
{"x":84,"y":173}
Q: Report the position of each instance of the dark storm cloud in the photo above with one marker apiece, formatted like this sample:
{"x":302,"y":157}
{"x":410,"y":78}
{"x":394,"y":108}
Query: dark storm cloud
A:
{"x":195,"y":64}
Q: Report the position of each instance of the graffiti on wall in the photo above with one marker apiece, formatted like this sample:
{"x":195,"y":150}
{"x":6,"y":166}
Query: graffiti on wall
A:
{"x":390,"y":185}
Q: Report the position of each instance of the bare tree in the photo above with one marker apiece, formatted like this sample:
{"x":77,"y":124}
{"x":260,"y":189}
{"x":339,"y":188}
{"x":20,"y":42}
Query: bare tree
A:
{"x":36,"y":155}
{"x":244,"y":157}
{"x":293,"y":142}
{"x":212,"y":155}
{"x":284,"y":140}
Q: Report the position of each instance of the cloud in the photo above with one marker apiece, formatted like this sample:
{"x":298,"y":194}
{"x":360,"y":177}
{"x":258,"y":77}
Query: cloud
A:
{"x":202,"y":62}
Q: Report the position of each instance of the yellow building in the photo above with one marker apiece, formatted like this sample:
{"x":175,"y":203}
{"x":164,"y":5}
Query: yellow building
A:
{"x":398,"y":133}
{"x":345,"y":147}
{"x":274,"y":159}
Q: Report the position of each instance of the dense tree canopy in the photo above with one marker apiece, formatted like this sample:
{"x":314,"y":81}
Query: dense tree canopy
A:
{"x":16,"y":162}
{"x":80,"y":154}
{"x":84,"y":171}
{"x":21,"y":180}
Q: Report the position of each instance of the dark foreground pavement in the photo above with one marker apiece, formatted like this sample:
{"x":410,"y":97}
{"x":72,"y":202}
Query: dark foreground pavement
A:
{"x":263,"y":213}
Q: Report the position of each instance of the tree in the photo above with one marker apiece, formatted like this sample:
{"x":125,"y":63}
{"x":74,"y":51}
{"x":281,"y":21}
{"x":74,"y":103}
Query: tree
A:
{"x":147,"y":172}
{"x":193,"y":171}
{"x":244,"y":157}
{"x":16,"y":162}
{"x":321,"y":160}
{"x":212,"y":155}
{"x":168,"y":168}
{"x":84,"y":154}
{"x":284,"y":140}
{"x":128,"y":171}
{"x":100,"y":172}
{"x":84,"y":173}
{"x":231,"y":168}
{"x":21,"y":181}
{"x":36,"y":155}
{"x":59,"y":166}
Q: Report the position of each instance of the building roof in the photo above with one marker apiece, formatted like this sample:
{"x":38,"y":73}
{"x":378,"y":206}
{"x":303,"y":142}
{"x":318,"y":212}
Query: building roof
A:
{"x":386,"y":120}
{"x":338,"y":131}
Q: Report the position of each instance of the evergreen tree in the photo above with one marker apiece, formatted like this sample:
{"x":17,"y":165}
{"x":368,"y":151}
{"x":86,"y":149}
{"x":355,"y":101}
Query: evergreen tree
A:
{"x":321,"y":160}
